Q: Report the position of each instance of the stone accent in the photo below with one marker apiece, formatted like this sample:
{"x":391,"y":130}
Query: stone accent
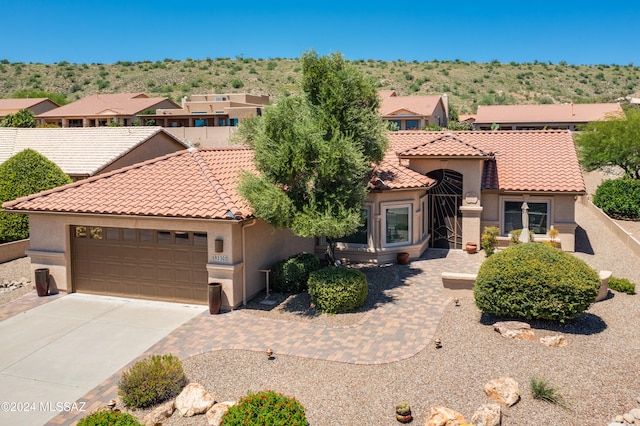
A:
{"x":487,"y":415}
{"x":214,"y":415}
{"x":514,"y":330}
{"x":194,"y":399}
{"x":554,"y":341}
{"x":504,"y":390}
{"x":443,"y":416}
{"x":160,"y":414}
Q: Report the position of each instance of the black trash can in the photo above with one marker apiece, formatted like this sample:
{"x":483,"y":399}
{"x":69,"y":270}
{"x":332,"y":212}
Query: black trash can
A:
{"x":215,"y":298}
{"x":42,"y":282}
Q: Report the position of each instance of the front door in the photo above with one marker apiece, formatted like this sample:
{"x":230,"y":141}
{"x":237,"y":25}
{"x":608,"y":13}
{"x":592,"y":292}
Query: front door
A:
{"x":445,"y":218}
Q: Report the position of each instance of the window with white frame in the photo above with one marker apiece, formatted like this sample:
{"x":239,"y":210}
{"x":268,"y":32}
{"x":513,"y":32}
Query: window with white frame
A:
{"x":397,"y":225}
{"x":361,"y":236}
{"x":538,"y":216}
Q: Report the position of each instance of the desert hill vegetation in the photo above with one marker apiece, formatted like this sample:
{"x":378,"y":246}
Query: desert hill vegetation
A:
{"x":468,"y":84}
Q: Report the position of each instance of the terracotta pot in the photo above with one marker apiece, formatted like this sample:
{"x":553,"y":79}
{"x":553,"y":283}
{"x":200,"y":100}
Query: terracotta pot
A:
{"x":471,"y":248}
{"x":403,"y":258}
{"x":407,"y":418}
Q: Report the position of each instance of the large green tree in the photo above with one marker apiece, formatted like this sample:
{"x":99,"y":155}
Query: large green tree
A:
{"x":22,"y":118}
{"x":314,"y":152}
{"x":25,"y":173}
{"x":612,"y":142}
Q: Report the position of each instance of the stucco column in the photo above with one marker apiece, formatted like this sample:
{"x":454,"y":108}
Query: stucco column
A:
{"x":471,"y":224}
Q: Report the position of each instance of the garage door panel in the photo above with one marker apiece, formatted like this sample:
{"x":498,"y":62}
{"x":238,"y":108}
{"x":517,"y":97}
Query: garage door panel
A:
{"x":169,"y":269}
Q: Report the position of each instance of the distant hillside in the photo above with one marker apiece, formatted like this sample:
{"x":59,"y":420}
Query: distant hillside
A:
{"x":468,"y":84}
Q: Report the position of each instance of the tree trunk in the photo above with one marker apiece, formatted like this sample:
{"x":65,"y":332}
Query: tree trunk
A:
{"x":330,"y":253}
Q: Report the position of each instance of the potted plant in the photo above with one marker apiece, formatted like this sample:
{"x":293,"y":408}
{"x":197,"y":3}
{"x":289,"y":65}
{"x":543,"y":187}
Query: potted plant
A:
{"x":403,"y":412}
{"x":471,"y":247}
{"x":403,"y":258}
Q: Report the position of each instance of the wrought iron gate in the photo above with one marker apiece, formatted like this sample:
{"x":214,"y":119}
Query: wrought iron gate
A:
{"x":445,"y":218}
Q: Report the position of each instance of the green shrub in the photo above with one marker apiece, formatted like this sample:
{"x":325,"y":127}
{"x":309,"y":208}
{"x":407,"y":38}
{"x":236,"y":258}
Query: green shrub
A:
{"x":27,"y":172}
{"x":151,"y":381}
{"x":105,"y":417}
{"x":619,"y":198}
{"x":335,"y":290}
{"x":622,"y":285}
{"x":489,"y":239}
{"x":291,"y":275}
{"x":535,"y":281}
{"x":266,"y":408}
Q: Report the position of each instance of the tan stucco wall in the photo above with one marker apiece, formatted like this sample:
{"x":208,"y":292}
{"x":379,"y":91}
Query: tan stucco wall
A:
{"x":205,"y":137}
{"x":156,"y":146}
{"x":50,"y":248}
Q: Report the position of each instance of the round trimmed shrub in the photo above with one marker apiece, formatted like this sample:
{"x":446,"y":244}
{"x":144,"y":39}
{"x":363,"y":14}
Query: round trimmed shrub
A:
{"x":619,"y":198}
{"x":105,"y":417}
{"x":291,"y":275}
{"x":151,"y":381}
{"x":266,"y":408}
{"x":535,"y":281}
{"x":335,"y":290}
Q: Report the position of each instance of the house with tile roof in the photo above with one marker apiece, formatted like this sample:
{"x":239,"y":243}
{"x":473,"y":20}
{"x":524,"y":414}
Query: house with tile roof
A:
{"x":414,"y":112}
{"x":548,"y":116}
{"x":164,"y":228}
{"x":35,"y":105}
{"x":84,"y":152}
{"x":208,"y":120}
{"x":101,"y":109}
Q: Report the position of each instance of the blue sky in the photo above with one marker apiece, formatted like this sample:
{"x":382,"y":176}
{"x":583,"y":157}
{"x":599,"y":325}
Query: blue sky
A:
{"x":578,"y":32}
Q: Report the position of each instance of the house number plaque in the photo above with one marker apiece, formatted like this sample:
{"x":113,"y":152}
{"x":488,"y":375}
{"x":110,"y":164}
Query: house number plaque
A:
{"x":220,"y":258}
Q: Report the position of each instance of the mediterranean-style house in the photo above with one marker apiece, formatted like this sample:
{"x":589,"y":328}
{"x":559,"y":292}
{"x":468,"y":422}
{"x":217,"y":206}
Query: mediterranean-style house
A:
{"x":101,"y":109}
{"x":414,"y":112}
{"x":548,"y":116}
{"x":165,"y":228}
{"x":35,"y":105}
{"x":208,"y":120}
{"x":84,"y":152}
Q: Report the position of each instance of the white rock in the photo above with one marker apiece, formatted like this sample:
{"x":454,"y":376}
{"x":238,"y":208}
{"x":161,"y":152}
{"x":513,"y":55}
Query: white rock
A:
{"x":194,"y":399}
{"x":554,"y":341}
{"x":215,"y":413}
{"x":618,"y":419}
{"x":635,"y":413}
{"x":504,"y":390}
{"x":514,"y":330}
{"x":628,"y":418}
{"x":159,"y":415}
{"x":487,"y":415}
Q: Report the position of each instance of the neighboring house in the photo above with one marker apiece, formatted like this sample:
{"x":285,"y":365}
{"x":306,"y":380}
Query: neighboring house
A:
{"x":548,"y":116}
{"x":165,"y":228}
{"x":101,"y":109}
{"x":414,"y":112}
{"x":209,"y":120}
{"x":84,"y":152}
{"x":467,"y":118}
{"x":35,"y":105}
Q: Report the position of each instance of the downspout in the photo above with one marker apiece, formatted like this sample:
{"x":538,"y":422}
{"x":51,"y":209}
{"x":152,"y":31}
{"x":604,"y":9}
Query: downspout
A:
{"x":244,"y":261}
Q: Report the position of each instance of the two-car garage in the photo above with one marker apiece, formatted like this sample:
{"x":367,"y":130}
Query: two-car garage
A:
{"x":140,"y":263}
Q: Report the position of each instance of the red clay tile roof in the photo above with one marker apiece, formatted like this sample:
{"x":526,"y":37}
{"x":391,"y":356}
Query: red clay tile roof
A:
{"x":442,"y":145}
{"x":114,"y":103}
{"x":552,"y":113}
{"x":11,"y":106}
{"x":391,"y":173}
{"x":536,"y":160}
{"x":418,"y":105}
{"x":189,"y":184}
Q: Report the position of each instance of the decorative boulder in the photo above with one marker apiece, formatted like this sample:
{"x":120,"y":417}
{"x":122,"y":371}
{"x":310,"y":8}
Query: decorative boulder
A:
{"x":487,"y":415}
{"x":554,"y":341}
{"x":504,"y":390}
{"x":214,"y":415}
{"x":159,"y":414}
{"x":514,"y":330}
{"x":443,"y":416}
{"x":194,"y":399}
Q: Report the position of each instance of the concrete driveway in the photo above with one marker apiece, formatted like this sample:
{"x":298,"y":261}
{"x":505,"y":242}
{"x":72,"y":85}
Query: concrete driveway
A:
{"x":53,"y":354}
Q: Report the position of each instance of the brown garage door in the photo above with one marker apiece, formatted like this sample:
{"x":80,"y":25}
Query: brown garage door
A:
{"x":140,"y":263}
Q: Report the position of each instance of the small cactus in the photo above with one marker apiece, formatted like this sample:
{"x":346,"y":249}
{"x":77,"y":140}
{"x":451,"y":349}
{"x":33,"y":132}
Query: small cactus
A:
{"x":403,"y":408}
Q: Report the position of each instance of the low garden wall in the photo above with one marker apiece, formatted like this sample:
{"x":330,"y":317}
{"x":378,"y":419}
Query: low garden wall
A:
{"x":627,"y":237}
{"x":13,"y":250}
